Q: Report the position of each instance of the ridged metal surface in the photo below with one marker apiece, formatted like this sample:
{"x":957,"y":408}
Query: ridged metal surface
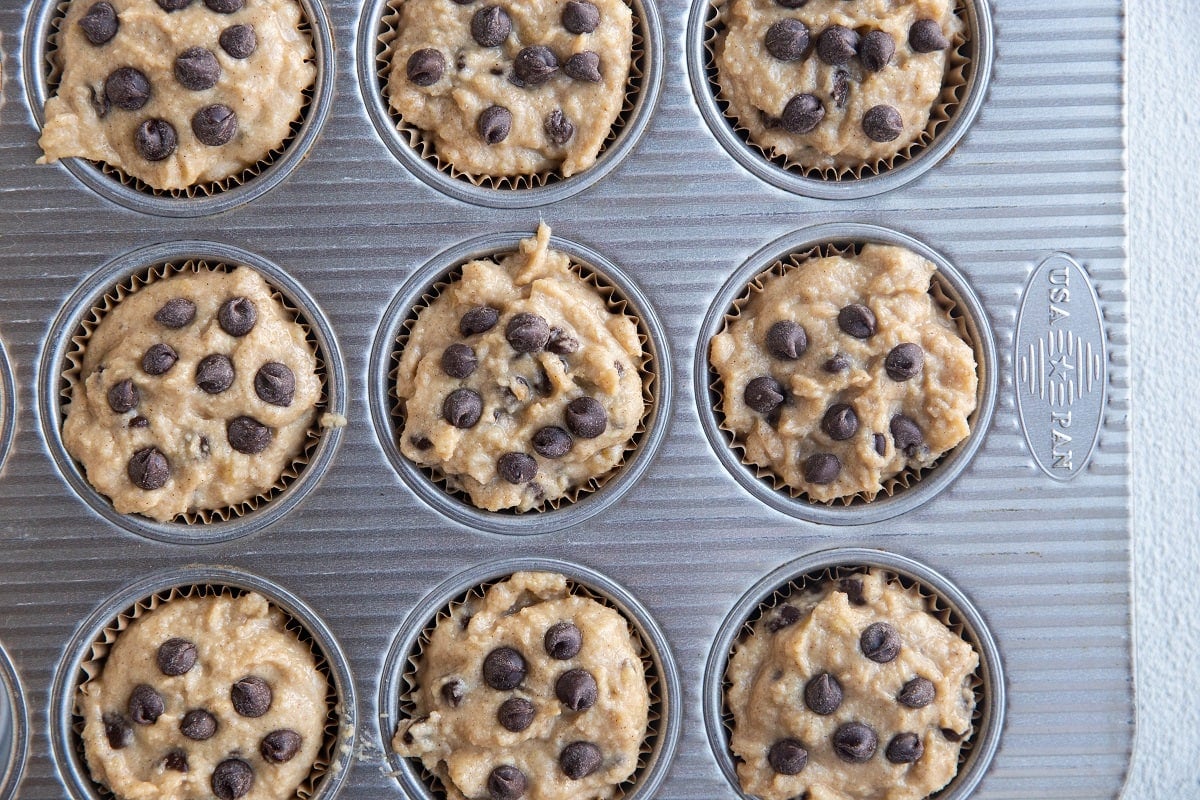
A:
{"x":1046,"y":563}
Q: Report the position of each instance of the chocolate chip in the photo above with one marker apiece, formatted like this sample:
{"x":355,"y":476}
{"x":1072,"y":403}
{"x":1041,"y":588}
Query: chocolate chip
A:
{"x":791,"y":3}
{"x":786,"y":340}
{"x":904,"y":362}
{"x":506,"y":782}
{"x":853,"y":589}
{"x":198,"y":725}
{"x":802,"y":114}
{"x":840,"y":422}
{"x":158,"y":359}
{"x":215,"y":125}
{"x":857,"y":320}
{"x":880,"y":442}
{"x":280,"y":746}
{"x":822,"y":468}
{"x":118,"y":731}
{"x":535,"y":65}
{"x":176,"y":312}
{"x":139,"y":422}
{"x":787,"y":757}
{"x":836,"y":363}
{"x":127,"y":88}
{"x":823,"y":694}
{"x":100,"y":23}
{"x":576,"y":689}
{"x":231,"y":779}
{"x":237,"y":316}
{"x":458,"y":360}
{"x":563,"y":640}
{"x":905,"y":748}
{"x":145,"y":705}
{"x":882,"y":124}
{"x":787,"y":39}
{"x":586,"y":417}
{"x":176,"y":657}
{"x":197,"y":69}
{"x":173,"y":5}
{"x":880,"y":642}
{"x":148,"y":469}
{"x":155,"y":139}
{"x":837,"y":44}
{"x":462,"y":408}
{"x":453,"y":692}
{"x":504,"y":669}
{"x":855,"y":742}
{"x":552,"y":442}
{"x":516,"y":468}
{"x":494,"y":124}
{"x":478,"y":320}
{"x":214,"y":373}
{"x":490,"y":26}
{"x":763,"y":394}
{"x":225,"y":6}
{"x":925,"y":36}
{"x":917,"y":693}
{"x":877,"y":50}
{"x":583,"y":66}
{"x":559,"y":130}
{"x":580,"y":16}
{"x":426,"y":67}
{"x":251,"y":696}
{"x":275,"y":383}
{"x":560,"y":342}
{"x":527,"y":333}
{"x":906,"y":434}
{"x":176,"y":760}
{"x":580,"y":759}
{"x":515,"y":714}
{"x":123,"y":396}
{"x":238,"y":41}
{"x":784,"y":618}
{"x":247,"y":435}
{"x":841,"y":88}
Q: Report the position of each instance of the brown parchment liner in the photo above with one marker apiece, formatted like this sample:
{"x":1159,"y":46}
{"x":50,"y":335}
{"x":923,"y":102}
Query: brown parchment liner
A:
{"x":93,"y":666}
{"x":954,"y":84}
{"x":407,"y":708}
{"x":817,"y":581}
{"x":424,"y":146}
{"x":617,"y":303}
{"x":53,"y":74}
{"x":73,"y":367}
{"x":943,"y":296}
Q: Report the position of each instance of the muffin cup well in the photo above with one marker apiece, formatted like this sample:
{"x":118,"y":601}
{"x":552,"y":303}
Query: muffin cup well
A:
{"x":622,"y":297}
{"x":14,"y":728}
{"x":42,"y":74}
{"x":97,"y":296}
{"x":945,"y":601}
{"x":910,"y":488}
{"x":8,"y":406}
{"x":662,"y":678}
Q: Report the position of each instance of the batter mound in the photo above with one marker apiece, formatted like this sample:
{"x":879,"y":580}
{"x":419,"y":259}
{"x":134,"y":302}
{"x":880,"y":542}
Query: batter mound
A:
{"x":531,"y":692}
{"x":201,"y":697}
{"x":852,"y":692}
{"x":845,"y":371}
{"x":832,"y":84}
{"x":180,"y":97}
{"x":518,"y":384}
{"x":195,"y":393}
{"x":519,"y":87}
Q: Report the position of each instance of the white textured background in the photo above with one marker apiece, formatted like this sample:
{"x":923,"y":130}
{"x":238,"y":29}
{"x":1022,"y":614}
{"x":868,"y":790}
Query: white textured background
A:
{"x":1164,"y":268}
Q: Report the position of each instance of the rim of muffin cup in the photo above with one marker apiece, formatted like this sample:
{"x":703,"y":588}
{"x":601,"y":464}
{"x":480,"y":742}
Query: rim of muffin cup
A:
{"x":8,"y":407}
{"x":945,"y":601}
{"x":407,"y":143}
{"x":621,"y":295}
{"x":14,"y":727}
{"x":666,"y":698}
{"x":909,"y":488}
{"x":42,"y":75}
{"x":968,"y":73}
{"x":57,"y":374}
{"x":90,"y":642}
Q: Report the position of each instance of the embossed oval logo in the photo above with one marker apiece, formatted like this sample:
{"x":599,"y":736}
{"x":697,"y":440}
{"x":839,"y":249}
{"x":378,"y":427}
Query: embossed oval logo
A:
{"x":1061,"y":367}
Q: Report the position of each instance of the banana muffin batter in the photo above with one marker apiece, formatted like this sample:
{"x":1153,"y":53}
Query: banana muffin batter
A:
{"x":843,"y":372}
{"x":518,"y":384}
{"x":529,"y":691}
{"x":831,"y":84}
{"x":195,"y":393}
{"x":177,"y":92}
{"x":518,"y":87}
{"x":203,"y":697}
{"x":853,"y":691}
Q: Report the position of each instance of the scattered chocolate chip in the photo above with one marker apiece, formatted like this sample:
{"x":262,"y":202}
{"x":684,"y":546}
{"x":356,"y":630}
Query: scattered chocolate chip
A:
{"x":917,"y":693}
{"x":506,"y":782}
{"x":905,"y":361}
{"x":580,"y":759}
{"x":786,"y":340}
{"x":251,"y":696}
{"x":576,"y":689}
{"x":176,"y":312}
{"x":127,"y":88}
{"x":527,"y":333}
{"x":787,"y":757}
{"x":197,"y":69}
{"x":586,"y":418}
{"x":225,"y":6}
{"x":148,"y":469}
{"x":841,"y":88}
{"x":494,"y":124}
{"x":159,"y":359}
{"x":155,"y":139}
{"x":237,"y":316}
{"x":123,"y":396}
{"x":215,"y":125}
{"x":504,"y":669}
{"x":145,"y":705}
{"x":490,"y":26}
{"x":857,"y":320}
{"x":823,"y":694}
{"x":280,"y":746}
{"x":822,"y":468}
{"x":231,"y":779}
{"x":176,"y":760}
{"x":583,"y":66}
{"x":787,"y":39}
{"x":458,"y":360}
{"x":198,"y":725}
{"x":453,"y":692}
{"x":836,"y":363}
{"x":877,"y":50}
{"x":802,"y":114}
{"x":905,"y":748}
{"x":763,"y":394}
{"x":515,"y":714}
{"x":563,"y":640}
{"x":117,"y":730}
{"x":880,"y":642}
{"x":785,"y":617}
{"x":791,"y":3}
{"x":238,"y":41}
{"x":560,"y":342}
{"x":837,"y":44}
{"x":535,"y":65}
{"x":906,"y":434}
{"x":552,"y":442}
{"x":426,"y":66}
{"x":176,"y":657}
{"x":478,"y":320}
{"x":247,"y":435}
{"x":580,"y":16}
{"x":275,"y":383}
{"x":882,"y":124}
{"x":853,"y":589}
{"x":516,"y":468}
{"x":100,"y":23}
{"x":173,"y":5}
{"x":139,"y":422}
{"x":925,"y":36}
{"x":855,"y":742}
{"x":880,"y":442}
{"x":214,"y":373}
{"x":462,"y":408}
{"x":840,"y":422}
{"x":559,"y":130}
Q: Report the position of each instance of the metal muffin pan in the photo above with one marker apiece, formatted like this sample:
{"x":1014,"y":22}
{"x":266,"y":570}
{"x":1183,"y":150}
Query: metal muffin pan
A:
{"x":1044,"y":560}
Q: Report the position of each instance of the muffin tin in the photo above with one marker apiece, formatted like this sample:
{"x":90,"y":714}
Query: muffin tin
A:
{"x":1033,"y":528}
